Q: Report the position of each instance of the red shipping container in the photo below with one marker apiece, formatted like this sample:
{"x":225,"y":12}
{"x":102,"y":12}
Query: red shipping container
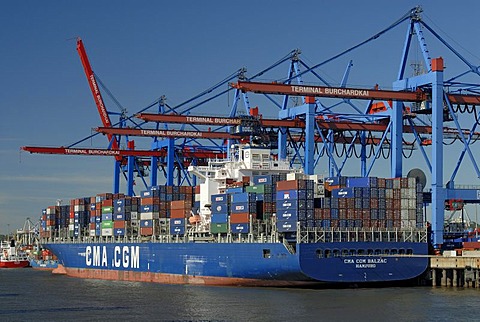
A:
{"x":150,"y":201}
{"x":240,"y":218}
{"x":146,"y":231}
{"x":180,"y":204}
{"x":287,"y":185}
{"x":179,"y":213}
{"x":119,"y":224}
{"x":107,"y":203}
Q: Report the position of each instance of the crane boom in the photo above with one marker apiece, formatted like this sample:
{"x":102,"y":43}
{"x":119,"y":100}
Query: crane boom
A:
{"x":324,"y":91}
{"x":99,"y":152}
{"x":348,"y":93}
{"x":167,"y":133}
{"x":186,"y":152}
{"x":97,"y":95}
{"x":207,"y":120}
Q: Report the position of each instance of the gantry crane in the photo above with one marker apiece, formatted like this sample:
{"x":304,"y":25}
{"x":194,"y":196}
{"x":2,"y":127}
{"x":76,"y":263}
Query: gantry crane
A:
{"x":391,"y":114}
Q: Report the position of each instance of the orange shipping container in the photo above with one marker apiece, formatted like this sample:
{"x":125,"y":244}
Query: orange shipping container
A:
{"x":240,"y":218}
{"x":180,"y":204}
{"x":146,"y":231}
{"x":179,"y":213}
{"x":119,"y":224}
{"x":107,"y":203}
{"x":150,"y":201}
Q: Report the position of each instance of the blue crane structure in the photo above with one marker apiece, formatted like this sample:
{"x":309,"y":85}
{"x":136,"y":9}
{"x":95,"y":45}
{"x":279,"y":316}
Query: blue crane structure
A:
{"x":310,"y":122}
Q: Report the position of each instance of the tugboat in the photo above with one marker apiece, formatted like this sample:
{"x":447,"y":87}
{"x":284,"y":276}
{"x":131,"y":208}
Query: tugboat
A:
{"x":11,"y":257}
{"x":43,"y":260}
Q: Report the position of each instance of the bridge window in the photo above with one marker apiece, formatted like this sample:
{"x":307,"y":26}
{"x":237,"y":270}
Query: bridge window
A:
{"x":352,"y":252}
{"x":361,"y":252}
{"x":344,"y":252}
{"x":409,"y":251}
{"x":369,"y":251}
{"x":401,"y":251}
{"x":319,"y":253}
{"x":378,"y":251}
{"x":386,"y":251}
{"x":394,"y":251}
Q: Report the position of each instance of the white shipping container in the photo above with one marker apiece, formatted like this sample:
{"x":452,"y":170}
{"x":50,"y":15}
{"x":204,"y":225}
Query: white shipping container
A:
{"x":92,"y":232}
{"x":412,"y":182}
{"x":295,"y":176}
{"x":149,"y":215}
{"x":404,"y":214}
{"x":78,"y":208}
{"x":396,"y":184}
{"x":412,"y":204}
{"x":450,"y":253}
{"x":389,"y":193}
{"x":107,"y":231}
{"x":404,"y":204}
{"x":71,"y":226}
{"x":471,"y":253}
{"x":408,"y":223}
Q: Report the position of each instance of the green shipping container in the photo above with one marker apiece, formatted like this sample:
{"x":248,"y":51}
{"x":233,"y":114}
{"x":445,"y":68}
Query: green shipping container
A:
{"x":107,"y":210}
{"x":219,"y":228}
{"x":260,"y":188}
{"x":107,"y":224}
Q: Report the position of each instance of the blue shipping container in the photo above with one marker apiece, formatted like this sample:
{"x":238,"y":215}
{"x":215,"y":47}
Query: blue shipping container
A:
{"x":107,"y":217}
{"x":343,"y":193}
{"x":243,"y":197}
{"x":219,"y":218}
{"x":146,"y":223}
{"x":219,"y":208}
{"x":240,"y":228}
{"x":122,"y":202}
{"x":177,"y":230}
{"x":291,"y":214}
{"x":286,"y":225}
{"x":177,"y":221}
{"x":292,"y":194}
{"x":220,"y":198}
{"x":149,"y":208}
{"x":234,"y":190}
{"x":358,"y":182}
{"x":119,"y":232}
{"x":332,"y":181}
{"x":243,"y":207}
{"x":262,"y":179}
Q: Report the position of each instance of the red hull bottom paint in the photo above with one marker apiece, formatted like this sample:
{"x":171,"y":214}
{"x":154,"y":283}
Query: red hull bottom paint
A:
{"x":173,"y":278}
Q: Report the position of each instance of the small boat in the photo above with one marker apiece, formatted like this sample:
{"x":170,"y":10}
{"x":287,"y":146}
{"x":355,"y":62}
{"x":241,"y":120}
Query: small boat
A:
{"x":43,"y":260}
{"x":11,"y":257}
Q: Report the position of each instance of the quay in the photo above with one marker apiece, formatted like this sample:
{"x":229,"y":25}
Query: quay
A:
{"x":456,"y":269}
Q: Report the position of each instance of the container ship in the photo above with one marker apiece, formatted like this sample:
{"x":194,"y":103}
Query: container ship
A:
{"x":253,"y":221}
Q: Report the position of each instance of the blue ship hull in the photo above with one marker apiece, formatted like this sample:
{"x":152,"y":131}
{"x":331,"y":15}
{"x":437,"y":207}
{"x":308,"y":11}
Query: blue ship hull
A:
{"x":257,"y":264}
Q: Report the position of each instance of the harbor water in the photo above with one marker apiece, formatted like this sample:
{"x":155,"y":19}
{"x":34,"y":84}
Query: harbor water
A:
{"x":31,"y":295}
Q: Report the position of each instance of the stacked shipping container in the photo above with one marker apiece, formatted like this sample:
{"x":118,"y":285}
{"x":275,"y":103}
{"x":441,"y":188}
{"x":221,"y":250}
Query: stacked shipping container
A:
{"x":342,"y":202}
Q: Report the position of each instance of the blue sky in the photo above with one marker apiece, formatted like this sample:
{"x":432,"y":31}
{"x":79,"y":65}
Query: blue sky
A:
{"x":144,"y":49}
